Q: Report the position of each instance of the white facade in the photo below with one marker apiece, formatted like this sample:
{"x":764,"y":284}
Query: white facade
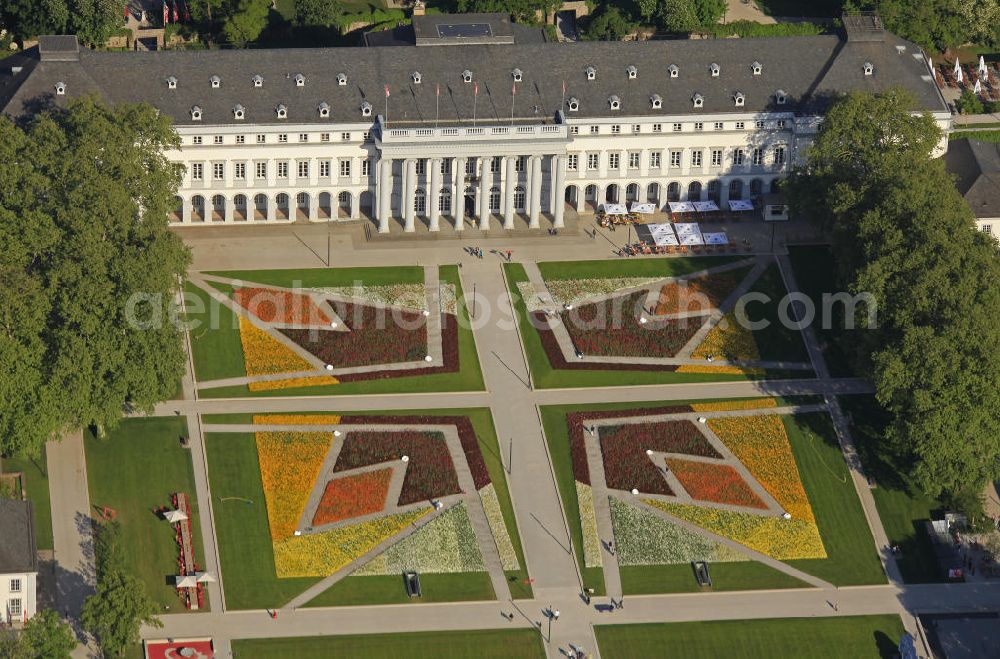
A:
{"x":17,"y":596}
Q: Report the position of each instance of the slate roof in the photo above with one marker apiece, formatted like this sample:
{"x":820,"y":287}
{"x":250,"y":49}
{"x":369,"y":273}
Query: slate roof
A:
{"x":17,"y":537}
{"x":808,"y":69}
{"x":976,"y":166}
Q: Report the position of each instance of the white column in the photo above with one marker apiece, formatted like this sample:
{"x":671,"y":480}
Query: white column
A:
{"x":272,"y":172}
{"x":272,"y":207}
{"x":227,"y":211}
{"x":384,"y":194}
{"x":508,"y":206}
{"x":314,"y":204}
{"x":434,"y":194}
{"x":186,"y":211}
{"x":355,"y":205}
{"x":458,"y":193}
{"x":535,"y":207}
{"x":409,"y":183}
{"x":560,"y":193}
{"x":485,"y":183}
{"x":644,"y":163}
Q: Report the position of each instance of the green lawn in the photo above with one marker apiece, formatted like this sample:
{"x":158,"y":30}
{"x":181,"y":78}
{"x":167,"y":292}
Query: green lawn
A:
{"x":36,"y":482}
{"x":487,"y":644}
{"x":848,"y":636}
{"x":134,"y":470}
{"x":775,"y":342}
{"x":215,"y":342}
{"x":245,"y":544}
{"x":222,"y":355}
{"x":632,"y":267}
{"x":851,"y":560}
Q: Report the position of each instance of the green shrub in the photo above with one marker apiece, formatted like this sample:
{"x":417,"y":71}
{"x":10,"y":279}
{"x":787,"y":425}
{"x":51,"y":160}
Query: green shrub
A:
{"x":750,"y":29}
{"x":968,"y":103}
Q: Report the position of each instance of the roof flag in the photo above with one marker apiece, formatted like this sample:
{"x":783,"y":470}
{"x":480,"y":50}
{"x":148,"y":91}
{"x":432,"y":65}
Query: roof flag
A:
{"x":387,"y":90}
{"x":177,"y":17}
{"x":187,"y":14}
{"x":166,"y":13}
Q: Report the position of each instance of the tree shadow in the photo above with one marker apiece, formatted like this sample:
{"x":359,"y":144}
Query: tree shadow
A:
{"x":885,"y":646}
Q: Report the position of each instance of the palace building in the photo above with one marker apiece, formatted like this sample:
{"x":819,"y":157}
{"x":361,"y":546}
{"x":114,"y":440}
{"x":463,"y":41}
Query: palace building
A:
{"x":468,"y":121}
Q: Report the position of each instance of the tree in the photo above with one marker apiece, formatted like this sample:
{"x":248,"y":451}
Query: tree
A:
{"x":317,"y":12}
{"x":245,"y":23}
{"x":88,"y":270}
{"x":609,"y":25}
{"x":94,"y":21}
{"x":982,"y":19}
{"x":647,"y":8}
{"x":969,"y":103}
{"x":709,"y":11}
{"x":935,"y":25}
{"x":46,"y":635}
{"x":30,"y":18}
{"x":904,"y":235}
{"x":678,"y":16}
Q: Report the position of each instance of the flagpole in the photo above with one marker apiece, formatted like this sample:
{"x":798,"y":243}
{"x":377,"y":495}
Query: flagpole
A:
{"x":386,"y":105}
{"x":475,"y":98}
{"x":437,"y":105}
{"x":563,"y":104}
{"x":513,"y":92}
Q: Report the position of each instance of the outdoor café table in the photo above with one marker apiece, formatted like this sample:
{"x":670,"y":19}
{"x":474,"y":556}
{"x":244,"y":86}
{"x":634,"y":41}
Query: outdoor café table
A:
{"x":716,"y":239}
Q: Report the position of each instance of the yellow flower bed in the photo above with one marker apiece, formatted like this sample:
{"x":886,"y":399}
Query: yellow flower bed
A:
{"x":265,"y":355}
{"x":291,"y":383}
{"x":725,"y":370}
{"x":322,"y":554}
{"x":778,"y":538}
{"x":296,"y":419}
{"x":728,"y":405}
{"x":761,"y":443}
{"x":728,"y":340}
{"x":289,"y":465}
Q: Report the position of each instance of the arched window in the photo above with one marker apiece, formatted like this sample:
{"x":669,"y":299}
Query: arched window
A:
{"x":420,"y":202}
{"x":282,"y":200}
{"x":519,"y":198}
{"x":674,"y":191}
{"x":736,"y":189}
{"x":694,"y":191}
{"x":444,"y":202}
{"x":240,"y":201}
{"x":775,"y":185}
{"x":714,"y":191}
{"x":632,"y":192}
{"x":344,"y":199}
{"x":198,"y":202}
{"x":495,"y":199}
{"x":756,"y":187}
{"x":302,"y":199}
{"x":260,"y":200}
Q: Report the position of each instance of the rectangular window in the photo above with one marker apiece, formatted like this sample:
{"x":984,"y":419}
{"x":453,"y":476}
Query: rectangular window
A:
{"x":519,"y":163}
{"x":758,"y":157}
{"x":633,"y":159}
{"x":615,"y":129}
{"x":781,"y":124}
{"x":613,"y":160}
{"x":345,"y":167}
{"x":698,"y":125}
{"x":366,"y":168}
{"x":282,"y":137}
{"x":217,"y":139}
{"x":675,"y":159}
{"x":572,"y":162}
{"x":594,"y":130}
{"x":421,"y":167}
{"x":654,"y":159}
{"x":283,"y":169}
{"x":717,"y":125}
{"x":779,"y":156}
{"x":15,"y":585}
{"x":261,"y":170}
{"x":14,"y":606}
{"x":696,"y":158}
{"x":738,"y":156}
{"x":240,"y":170}
{"x":759,"y":125}
{"x":657,"y":128}
{"x":444,"y":202}
{"x":574,"y":130}
{"x":495,"y":164}
{"x":303,"y":170}
{"x":324,"y":137}
{"x":324,"y":169}
{"x":987,"y":228}
{"x":677,"y":128}
{"x":241,"y":139}
{"x":196,"y":139}
{"x":345,"y":137}
{"x":218,"y":171}
{"x":470,"y":167}
{"x":592,"y":161}
{"x":636,"y":128}
{"x":716,"y":157}
{"x":445,"y":166}
{"x":303,"y":137}
{"x":740,"y":125}
{"x":196,"y":171}
{"x":261,"y":138}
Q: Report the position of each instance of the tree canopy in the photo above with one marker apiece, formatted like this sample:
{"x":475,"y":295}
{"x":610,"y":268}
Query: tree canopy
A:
{"x":93,"y":21}
{"x":903,"y":234}
{"x":609,"y":25}
{"x":88,"y":270}
{"x":46,"y":635}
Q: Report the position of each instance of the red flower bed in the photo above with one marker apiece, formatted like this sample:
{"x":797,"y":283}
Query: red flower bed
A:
{"x":376,"y":337}
{"x":626,"y":465}
{"x":714,"y":482}
{"x":558,"y":361}
{"x":430,"y":473}
{"x":699,"y":293}
{"x":575,"y":422}
{"x":276,"y":306}
{"x":466,"y":434}
{"x":449,"y":347}
{"x":612,"y":329}
{"x":353,"y":496}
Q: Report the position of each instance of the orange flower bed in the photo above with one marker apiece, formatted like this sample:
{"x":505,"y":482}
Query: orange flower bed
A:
{"x":265,"y":355}
{"x":297,"y":419}
{"x":718,"y":483}
{"x":761,"y":444}
{"x":289,"y":466}
{"x":353,"y":496}
{"x":701,"y":293}
{"x":726,"y":405}
{"x":275,"y":306}
{"x":291,"y":383}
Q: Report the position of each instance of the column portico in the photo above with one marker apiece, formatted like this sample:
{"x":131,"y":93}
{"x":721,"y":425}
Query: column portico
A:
{"x":272,"y":208}
{"x":560,"y":192}
{"x":458,"y":193}
{"x":434,"y":194}
{"x":409,"y":183}
{"x":535,"y":203}
{"x":508,"y":195}
{"x":186,"y":211}
{"x":484,"y":199}
{"x":384,"y":195}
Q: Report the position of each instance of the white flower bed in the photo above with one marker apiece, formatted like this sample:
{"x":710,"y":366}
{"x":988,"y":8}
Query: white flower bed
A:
{"x":448,"y":299}
{"x":491,"y":504}
{"x":406,"y":296}
{"x":530,"y":296}
{"x":642,"y":538}
{"x":576,"y":291}
{"x":588,"y":521}
{"x":447,"y":544}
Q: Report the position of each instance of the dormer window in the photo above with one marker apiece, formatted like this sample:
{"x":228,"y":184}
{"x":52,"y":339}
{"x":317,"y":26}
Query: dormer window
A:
{"x":239,"y":112}
{"x":574,"y":104}
{"x":698,"y":100}
{"x":756,"y":68}
{"x":715,"y":69}
{"x":342,"y":79}
{"x":517,"y":75}
{"x":466,"y":76}
{"x":171,"y":83}
{"x":61,"y":88}
{"x":739,"y":99}
{"x":632,"y":72}
{"x":216,"y":82}
{"x":674,"y":71}
{"x":366,"y":109}
{"x":591,"y":73}
{"x":281,"y":111}
{"x":300,"y":80}
{"x":417,"y":77}
{"x":258,"y":81}
{"x":614,"y":102}
{"x":656,"y":101}
{"x":196,"y":113}
{"x":324,"y":110}
{"x":780,"y":97}
{"x":869,"y":68}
